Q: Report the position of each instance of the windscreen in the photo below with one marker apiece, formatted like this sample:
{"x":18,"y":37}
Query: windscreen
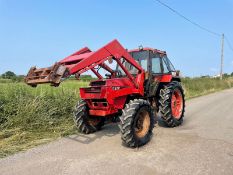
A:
{"x":141,"y":57}
{"x":169,"y":64}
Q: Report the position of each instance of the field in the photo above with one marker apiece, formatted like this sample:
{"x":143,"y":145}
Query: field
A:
{"x":32,"y":116}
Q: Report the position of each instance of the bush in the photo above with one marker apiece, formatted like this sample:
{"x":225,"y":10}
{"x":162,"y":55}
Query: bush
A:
{"x":8,"y":75}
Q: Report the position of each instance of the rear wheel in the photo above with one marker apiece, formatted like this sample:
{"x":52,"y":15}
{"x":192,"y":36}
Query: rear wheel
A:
{"x":172,"y":104}
{"x":136,"y":123}
{"x":86,"y":124}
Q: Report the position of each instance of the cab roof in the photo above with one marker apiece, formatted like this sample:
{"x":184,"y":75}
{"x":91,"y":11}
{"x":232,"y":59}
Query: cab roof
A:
{"x":148,"y":49}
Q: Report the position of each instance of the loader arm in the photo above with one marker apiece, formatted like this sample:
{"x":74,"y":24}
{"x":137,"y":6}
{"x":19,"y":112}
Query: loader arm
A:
{"x":82,"y":61}
{"x":113,"y":50}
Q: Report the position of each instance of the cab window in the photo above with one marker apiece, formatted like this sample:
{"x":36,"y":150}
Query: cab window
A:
{"x":156,"y":65}
{"x":143,"y":64}
{"x":132,"y":70}
{"x":165,"y":68}
{"x":169,"y":64}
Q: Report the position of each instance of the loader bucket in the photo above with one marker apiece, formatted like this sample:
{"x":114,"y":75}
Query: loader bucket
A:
{"x":53,"y":75}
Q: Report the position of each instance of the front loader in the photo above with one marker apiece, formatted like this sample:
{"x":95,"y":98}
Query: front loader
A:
{"x":139,"y":84}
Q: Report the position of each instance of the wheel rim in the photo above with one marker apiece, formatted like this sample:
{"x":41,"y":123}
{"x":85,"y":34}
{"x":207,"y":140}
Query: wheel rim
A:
{"x":142,"y":124}
{"x":177,"y":104}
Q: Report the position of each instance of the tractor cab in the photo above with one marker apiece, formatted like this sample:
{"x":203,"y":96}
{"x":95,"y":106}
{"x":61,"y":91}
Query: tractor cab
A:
{"x":159,"y":70}
{"x":153,"y":61}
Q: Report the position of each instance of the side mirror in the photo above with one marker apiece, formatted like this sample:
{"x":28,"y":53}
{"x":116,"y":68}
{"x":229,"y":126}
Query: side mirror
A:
{"x":177,"y":72}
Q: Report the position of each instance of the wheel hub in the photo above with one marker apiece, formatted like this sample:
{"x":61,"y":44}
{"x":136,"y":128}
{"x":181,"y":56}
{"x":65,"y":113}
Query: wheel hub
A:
{"x":143,"y":124}
{"x":177,"y":104}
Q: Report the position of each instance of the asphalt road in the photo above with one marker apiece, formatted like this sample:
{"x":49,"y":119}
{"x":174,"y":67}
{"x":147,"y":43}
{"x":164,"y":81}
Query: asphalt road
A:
{"x":202,"y":145}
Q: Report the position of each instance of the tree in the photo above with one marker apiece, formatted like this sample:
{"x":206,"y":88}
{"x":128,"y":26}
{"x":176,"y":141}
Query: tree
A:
{"x":226,"y":75}
{"x":232,"y":74}
{"x":8,"y":75}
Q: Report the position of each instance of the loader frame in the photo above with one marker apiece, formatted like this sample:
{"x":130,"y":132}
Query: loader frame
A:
{"x":105,"y":99}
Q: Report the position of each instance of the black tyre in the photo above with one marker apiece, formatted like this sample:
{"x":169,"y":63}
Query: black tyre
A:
{"x":86,"y":124}
{"x":172,"y":104}
{"x":136,"y":123}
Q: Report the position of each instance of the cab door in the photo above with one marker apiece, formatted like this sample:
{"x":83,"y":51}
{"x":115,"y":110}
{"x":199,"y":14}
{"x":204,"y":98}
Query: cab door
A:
{"x":156,"y":69}
{"x":156,"y":72}
{"x":160,"y":72}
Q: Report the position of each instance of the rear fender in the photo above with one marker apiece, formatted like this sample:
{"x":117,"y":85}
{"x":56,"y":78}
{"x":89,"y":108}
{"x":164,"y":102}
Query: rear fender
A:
{"x":166,"y":78}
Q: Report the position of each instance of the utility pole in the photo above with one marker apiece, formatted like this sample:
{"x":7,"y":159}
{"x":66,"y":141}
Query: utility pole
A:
{"x":222,"y":57}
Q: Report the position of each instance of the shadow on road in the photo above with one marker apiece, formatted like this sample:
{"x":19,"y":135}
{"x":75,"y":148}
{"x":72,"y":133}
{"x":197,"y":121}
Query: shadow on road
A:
{"x":161,"y":123}
{"x":108,"y":130}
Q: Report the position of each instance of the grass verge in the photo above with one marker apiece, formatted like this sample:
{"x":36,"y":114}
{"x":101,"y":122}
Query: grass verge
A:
{"x":31,"y":116}
{"x":195,"y":87}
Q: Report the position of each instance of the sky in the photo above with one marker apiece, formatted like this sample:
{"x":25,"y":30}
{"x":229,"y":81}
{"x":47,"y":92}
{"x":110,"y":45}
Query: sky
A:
{"x":41,"y":32}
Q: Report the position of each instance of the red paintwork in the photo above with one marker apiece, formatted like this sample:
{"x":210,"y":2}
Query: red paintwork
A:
{"x":114,"y":92}
{"x":113,"y":49}
{"x":163,"y":78}
{"x":77,"y":56}
{"x":73,"y":58}
{"x":177,"y":104}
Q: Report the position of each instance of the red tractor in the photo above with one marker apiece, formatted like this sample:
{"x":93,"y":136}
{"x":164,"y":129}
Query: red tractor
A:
{"x":138,"y":85}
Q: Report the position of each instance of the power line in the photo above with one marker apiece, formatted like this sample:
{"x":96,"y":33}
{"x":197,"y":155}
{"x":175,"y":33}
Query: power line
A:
{"x":187,"y":19}
{"x":204,"y":29}
{"x":228,"y":43}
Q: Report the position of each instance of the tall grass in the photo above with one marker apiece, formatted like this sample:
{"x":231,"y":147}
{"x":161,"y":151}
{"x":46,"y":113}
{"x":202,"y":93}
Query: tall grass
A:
{"x":5,"y":80}
{"x":195,"y":87}
{"x":31,"y":116}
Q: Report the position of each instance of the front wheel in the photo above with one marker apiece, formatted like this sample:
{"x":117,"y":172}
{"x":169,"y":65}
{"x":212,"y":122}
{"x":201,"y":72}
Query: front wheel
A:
{"x":86,"y":124}
{"x":136,"y":123}
{"x":172,"y":104}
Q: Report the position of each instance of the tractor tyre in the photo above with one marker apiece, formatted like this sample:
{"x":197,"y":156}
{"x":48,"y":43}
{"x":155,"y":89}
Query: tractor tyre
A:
{"x":172,"y":104}
{"x":136,"y":123}
{"x":86,"y":124}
